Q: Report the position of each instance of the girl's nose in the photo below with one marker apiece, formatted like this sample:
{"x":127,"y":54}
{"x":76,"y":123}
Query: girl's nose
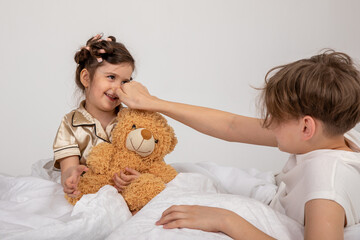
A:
{"x":117,"y":83}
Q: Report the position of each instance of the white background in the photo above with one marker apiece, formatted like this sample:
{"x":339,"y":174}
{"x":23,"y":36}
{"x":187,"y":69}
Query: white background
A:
{"x":202,"y":52}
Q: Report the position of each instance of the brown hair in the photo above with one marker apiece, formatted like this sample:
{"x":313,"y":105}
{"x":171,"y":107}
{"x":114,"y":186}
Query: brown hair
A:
{"x":325,"y":87}
{"x":86,"y":57}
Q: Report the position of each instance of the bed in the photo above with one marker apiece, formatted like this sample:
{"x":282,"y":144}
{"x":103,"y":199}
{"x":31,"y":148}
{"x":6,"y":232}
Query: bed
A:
{"x":34,"y":207}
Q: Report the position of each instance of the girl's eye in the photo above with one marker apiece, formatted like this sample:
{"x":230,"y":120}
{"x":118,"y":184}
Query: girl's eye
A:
{"x":133,"y":126}
{"x":156,"y":141}
{"x":112,"y":77}
{"x":126,"y":81}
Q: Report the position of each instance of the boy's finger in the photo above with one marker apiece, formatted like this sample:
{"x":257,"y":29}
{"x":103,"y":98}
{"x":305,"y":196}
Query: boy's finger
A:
{"x":120,"y":91}
{"x":122,"y":95}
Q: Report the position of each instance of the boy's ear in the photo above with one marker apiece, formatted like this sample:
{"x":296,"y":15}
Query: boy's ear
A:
{"x":308,"y":127}
{"x":85,"y":77}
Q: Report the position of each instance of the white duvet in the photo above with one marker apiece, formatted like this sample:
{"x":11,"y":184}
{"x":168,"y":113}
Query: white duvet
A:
{"x":34,"y":207}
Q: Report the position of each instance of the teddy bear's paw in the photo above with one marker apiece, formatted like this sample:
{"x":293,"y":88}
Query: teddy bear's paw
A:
{"x":163,"y":170}
{"x":142,"y":190}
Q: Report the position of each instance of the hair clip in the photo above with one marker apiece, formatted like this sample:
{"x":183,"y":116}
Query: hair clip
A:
{"x":98,"y":38}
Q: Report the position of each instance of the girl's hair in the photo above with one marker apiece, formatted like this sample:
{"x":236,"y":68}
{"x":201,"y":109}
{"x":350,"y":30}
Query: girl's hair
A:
{"x":106,"y":50}
{"x":325,"y":86}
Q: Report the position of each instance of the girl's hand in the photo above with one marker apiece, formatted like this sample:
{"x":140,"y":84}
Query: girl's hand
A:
{"x":123,"y":179}
{"x":71,"y":179}
{"x":208,"y":219}
{"x":136,"y":96}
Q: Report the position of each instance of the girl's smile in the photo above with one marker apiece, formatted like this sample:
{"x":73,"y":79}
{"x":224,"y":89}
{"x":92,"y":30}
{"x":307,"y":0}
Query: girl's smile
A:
{"x":112,"y":97}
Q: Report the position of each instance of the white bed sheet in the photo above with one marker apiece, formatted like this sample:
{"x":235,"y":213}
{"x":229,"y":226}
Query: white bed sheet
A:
{"x":33,"y":207}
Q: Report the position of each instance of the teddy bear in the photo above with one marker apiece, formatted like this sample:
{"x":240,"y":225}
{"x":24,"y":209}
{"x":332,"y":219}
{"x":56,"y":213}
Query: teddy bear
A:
{"x":140,"y":141}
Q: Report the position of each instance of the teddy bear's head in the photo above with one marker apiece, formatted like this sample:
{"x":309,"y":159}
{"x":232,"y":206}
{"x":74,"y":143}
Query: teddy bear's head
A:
{"x":143,"y":134}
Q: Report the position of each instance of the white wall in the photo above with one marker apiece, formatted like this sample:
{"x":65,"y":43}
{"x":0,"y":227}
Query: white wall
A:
{"x":203,"y":52}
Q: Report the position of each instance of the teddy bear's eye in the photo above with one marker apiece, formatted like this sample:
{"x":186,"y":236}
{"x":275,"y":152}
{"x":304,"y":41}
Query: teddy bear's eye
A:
{"x":156,"y":141}
{"x":134,"y":126}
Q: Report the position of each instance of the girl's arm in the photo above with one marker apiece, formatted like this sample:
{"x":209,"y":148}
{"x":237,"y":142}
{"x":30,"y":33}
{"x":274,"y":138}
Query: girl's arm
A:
{"x":324,"y":219}
{"x":216,"y":123}
{"x":210,"y":219}
{"x":70,"y":174}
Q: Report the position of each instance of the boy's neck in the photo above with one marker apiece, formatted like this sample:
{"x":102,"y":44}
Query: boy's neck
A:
{"x":321,"y":141}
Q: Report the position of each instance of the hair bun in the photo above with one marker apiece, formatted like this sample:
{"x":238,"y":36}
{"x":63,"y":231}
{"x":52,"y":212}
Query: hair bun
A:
{"x":82,"y":55}
{"x":96,"y":47}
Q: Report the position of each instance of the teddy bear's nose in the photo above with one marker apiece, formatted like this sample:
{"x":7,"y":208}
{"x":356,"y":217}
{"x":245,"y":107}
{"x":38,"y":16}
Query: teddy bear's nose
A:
{"x":146,"y":134}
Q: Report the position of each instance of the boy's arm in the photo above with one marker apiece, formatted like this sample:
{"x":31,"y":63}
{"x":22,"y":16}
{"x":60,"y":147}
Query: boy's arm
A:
{"x":216,"y":123}
{"x":210,"y":219}
{"x":324,"y":219}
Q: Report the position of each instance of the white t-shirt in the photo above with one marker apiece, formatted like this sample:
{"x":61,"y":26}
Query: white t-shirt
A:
{"x":321,"y":174}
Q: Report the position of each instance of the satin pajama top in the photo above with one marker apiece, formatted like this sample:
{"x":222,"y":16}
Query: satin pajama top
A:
{"x":78,"y":133}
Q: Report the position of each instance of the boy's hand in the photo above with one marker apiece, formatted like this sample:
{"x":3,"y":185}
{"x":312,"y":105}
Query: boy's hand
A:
{"x":71,"y":180}
{"x":136,"y":96}
{"x":125,"y":178}
{"x":208,"y":219}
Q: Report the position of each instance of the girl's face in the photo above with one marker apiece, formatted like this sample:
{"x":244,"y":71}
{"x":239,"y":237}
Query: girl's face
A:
{"x":100,"y":91}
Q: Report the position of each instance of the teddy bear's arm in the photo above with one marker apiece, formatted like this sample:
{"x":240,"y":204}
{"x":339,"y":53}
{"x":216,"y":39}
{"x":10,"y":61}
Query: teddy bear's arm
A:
{"x":162,"y":170}
{"x":99,"y":158}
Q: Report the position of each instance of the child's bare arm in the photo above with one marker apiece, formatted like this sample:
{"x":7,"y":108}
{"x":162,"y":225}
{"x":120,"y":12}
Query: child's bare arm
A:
{"x":324,"y":219}
{"x":210,"y":219}
{"x":216,"y":123}
{"x":70,"y":174}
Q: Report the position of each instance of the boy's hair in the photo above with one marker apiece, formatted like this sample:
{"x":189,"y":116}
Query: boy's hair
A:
{"x":325,"y":87}
{"x":110,"y":51}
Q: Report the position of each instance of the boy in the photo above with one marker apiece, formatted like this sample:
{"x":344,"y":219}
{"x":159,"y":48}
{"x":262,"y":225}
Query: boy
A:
{"x":308,"y":106}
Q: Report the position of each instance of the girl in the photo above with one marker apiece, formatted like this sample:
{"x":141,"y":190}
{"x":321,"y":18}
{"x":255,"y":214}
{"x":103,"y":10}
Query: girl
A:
{"x":309,"y":106}
{"x":102,"y":66}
